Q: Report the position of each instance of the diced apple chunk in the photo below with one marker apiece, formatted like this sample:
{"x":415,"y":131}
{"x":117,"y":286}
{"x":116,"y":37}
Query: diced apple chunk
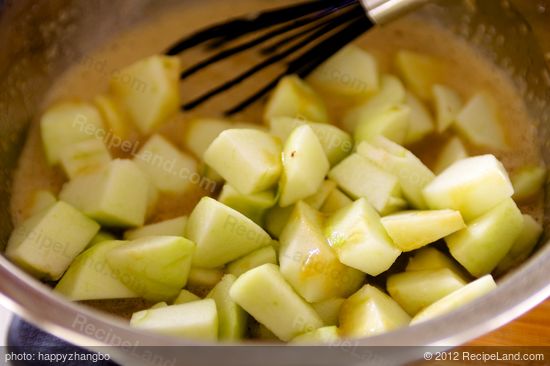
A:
{"x":369,"y":312}
{"x":172,"y":227}
{"x":47,"y":243}
{"x":201,"y":132}
{"x":527,"y":182}
{"x":249,"y":160}
{"x":185,"y":297}
{"x":479,"y":122}
{"x":159,"y":305}
{"x":350,"y":72}
{"x":114,"y":116}
{"x":429,"y":258}
{"x":472,"y":186}
{"x":304,"y":166}
{"x":101,"y":237}
{"x":222,"y":234}
{"x":487,"y":239}
{"x":309,"y":264}
{"x":84,"y":157}
{"x":89,"y":277}
{"x":205,"y":277}
{"x":155,"y":267}
{"x":276,"y":219}
{"x":420,"y":71}
{"x":392,"y":124}
{"x":194,"y":320}
{"x":411,"y":230}
{"x":335,"y":201}
{"x":325,"y":335}
{"x":359,"y":177}
{"x":411,"y":173}
{"x":171,"y":170}
{"x":68,"y":123}
{"x":418,"y":289}
{"x":453,"y":151}
{"x":231,"y":317}
{"x":456,"y":299}
{"x":524,"y":244}
{"x":264,"y":294}
{"x":149,"y":89}
{"x":255,"y":259}
{"x":329,"y":310}
{"x":447,"y":104}
{"x":40,"y":201}
{"x":359,"y":239}
{"x":114,"y":196}
{"x":294,"y":98}
{"x":421,"y":122}
{"x":254,"y":206}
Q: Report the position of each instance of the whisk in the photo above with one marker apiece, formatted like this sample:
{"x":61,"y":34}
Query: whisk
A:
{"x":303,"y":35}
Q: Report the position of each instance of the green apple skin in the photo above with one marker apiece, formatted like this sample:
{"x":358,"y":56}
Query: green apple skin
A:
{"x":486,"y":240}
{"x":116,"y":195}
{"x":411,"y":230}
{"x":47,"y":243}
{"x":419,"y":72}
{"x":294,"y":98}
{"x":456,"y":299}
{"x":304,"y":166}
{"x":65,"y":124}
{"x":447,"y":105}
{"x":412,"y":174}
{"x":264,"y":294}
{"x":253,"y":206}
{"x":154,"y":267}
{"x":527,"y":182}
{"x":358,"y":177}
{"x":204,"y":277}
{"x":171,"y":227}
{"x":329,"y":310}
{"x":335,"y":201}
{"x":421,"y":123}
{"x":170,"y":169}
{"x":358,"y":237}
{"x":154,"y":96}
{"x":472,"y":186}
{"x":83,"y":157}
{"x":419,"y":289}
{"x":453,"y":151}
{"x":184,"y":297}
{"x":429,"y":258}
{"x":369,"y":312}
{"x":392,"y":124}
{"x":255,"y":259}
{"x":248,"y":159}
{"x":197,"y":320}
{"x":326,"y":335}
{"x":222,"y":234}
{"x":231,"y":317}
{"x":89,"y":277}
{"x":309,"y":264}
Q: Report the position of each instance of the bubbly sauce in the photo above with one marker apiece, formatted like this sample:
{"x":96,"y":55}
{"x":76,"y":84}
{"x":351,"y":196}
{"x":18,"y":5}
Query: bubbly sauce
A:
{"x":468,"y":73}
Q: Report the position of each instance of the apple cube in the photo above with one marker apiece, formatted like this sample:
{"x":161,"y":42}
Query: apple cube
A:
{"x":527,"y":182}
{"x":204,"y":277}
{"x":335,"y":201}
{"x":255,"y":259}
{"x":232,"y":319}
{"x":392,"y":124}
{"x":264,"y":294}
{"x":318,"y":199}
{"x":418,"y":289}
{"x":185,"y":297}
{"x":453,"y":151}
{"x":276,"y":219}
{"x":149,"y":89}
{"x":329,"y":310}
{"x":369,"y":312}
{"x":89,"y":277}
{"x":114,"y":116}
{"x":456,"y":299}
{"x":358,"y":237}
{"x":359,"y":177}
{"x":84,"y":157}
{"x":391,"y":94}
{"x":479,"y":123}
{"x":421,"y":123}
{"x":249,"y":160}
{"x":325,"y":335}
{"x":47,"y":243}
{"x":201,"y":132}
{"x":159,"y":305}
{"x":68,"y":123}
{"x":101,"y":237}
{"x":429,"y":258}
{"x":196,"y":320}
{"x":524,"y":244}
{"x":411,"y":230}
{"x":171,"y":170}
{"x":351,"y":72}
{"x":114,"y":196}
{"x":254,"y":206}
{"x":304,"y":166}
{"x":222,"y":234}
{"x":40,"y":201}
{"x":172,"y":227}
{"x":419,"y":71}
{"x":487,"y":239}
{"x":472,"y":186}
{"x":155,"y":267}
{"x":294,"y":98}
{"x":412,"y":174}
{"x":309,"y":264}
{"x":447,"y":104}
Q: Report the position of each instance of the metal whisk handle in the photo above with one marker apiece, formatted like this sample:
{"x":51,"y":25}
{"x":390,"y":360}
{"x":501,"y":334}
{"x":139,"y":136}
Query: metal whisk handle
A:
{"x":384,"y":11}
